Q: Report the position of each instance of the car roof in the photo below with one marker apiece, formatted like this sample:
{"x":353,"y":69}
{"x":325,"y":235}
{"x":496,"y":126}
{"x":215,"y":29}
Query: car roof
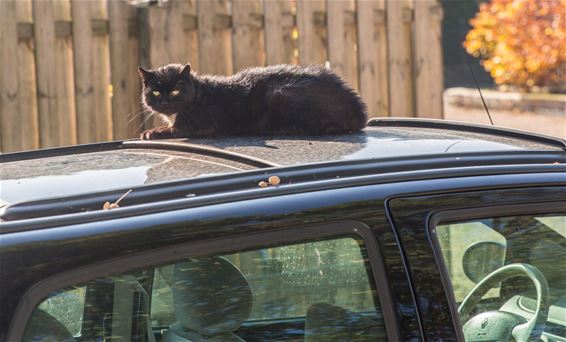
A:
{"x":61,"y":172}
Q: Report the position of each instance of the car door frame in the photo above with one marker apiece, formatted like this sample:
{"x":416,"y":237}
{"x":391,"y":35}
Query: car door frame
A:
{"x":415,"y":219}
{"x":223,"y":244}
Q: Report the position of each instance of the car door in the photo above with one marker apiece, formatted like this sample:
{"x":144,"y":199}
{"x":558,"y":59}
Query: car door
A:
{"x":304,"y":267}
{"x":493,"y":262}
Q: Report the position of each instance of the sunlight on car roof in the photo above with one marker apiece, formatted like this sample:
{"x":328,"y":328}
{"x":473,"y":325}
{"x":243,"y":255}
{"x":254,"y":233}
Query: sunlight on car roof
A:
{"x":100,"y":171}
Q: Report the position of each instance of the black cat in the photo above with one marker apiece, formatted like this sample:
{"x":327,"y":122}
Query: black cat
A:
{"x":279,"y":99}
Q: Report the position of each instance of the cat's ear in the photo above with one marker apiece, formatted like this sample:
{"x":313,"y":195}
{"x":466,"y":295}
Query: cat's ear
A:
{"x":145,"y":74}
{"x":186,"y":71}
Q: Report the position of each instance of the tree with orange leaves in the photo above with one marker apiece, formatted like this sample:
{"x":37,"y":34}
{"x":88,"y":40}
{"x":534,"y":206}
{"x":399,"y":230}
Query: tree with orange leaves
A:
{"x":521,"y":43}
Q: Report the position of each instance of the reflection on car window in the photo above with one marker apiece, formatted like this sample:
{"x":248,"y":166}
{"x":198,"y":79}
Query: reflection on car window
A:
{"x":474,"y":249}
{"x":310,"y":291}
{"x":67,"y":307}
{"x":556,"y":223}
{"x":286,"y":280}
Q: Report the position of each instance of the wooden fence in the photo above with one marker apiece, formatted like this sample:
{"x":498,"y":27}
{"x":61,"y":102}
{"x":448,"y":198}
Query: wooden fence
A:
{"x":68,"y":68}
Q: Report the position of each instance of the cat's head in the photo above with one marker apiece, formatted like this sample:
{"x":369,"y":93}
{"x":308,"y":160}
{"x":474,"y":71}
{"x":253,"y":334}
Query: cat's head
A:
{"x":168,"y":89}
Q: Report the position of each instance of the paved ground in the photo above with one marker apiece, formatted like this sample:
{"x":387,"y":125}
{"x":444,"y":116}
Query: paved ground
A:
{"x":539,"y":114}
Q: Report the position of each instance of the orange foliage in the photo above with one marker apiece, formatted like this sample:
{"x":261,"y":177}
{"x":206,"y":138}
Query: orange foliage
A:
{"x":521,"y":42}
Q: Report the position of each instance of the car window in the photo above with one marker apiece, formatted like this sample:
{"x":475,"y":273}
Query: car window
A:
{"x":472,"y":250}
{"x":313,"y":290}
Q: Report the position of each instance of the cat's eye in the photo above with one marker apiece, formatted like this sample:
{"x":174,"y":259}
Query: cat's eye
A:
{"x":155,"y":93}
{"x":174,"y":93}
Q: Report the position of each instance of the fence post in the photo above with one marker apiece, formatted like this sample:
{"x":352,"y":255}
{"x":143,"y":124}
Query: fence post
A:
{"x":342,"y":40}
{"x":372,"y":54}
{"x":124,"y":61}
{"x":279,"y":25}
{"x":55,"y":81}
{"x":311,"y":23}
{"x":399,"y":38}
{"x":92,"y":71}
{"x":247,"y":34}
{"x":214,"y":45}
{"x":428,"y":59}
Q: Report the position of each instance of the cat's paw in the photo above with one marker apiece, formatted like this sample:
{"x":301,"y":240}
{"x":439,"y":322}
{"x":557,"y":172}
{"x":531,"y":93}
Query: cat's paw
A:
{"x":157,"y":133}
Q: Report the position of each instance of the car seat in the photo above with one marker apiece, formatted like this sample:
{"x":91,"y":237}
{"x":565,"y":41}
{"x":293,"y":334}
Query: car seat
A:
{"x":211,"y":299}
{"x":331,"y":323}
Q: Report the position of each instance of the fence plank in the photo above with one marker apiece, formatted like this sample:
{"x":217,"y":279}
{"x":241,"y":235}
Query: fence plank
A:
{"x":214,"y":37}
{"x":428,"y":59}
{"x":171,"y":40}
{"x":372,"y":50}
{"x":311,"y":23}
{"x":92,"y":72}
{"x":247,"y":34}
{"x":399,"y":37}
{"x":18,"y":103}
{"x":9,"y":108}
{"x":162,"y":24}
{"x":124,"y":60}
{"x":55,"y":82}
{"x":279,"y":24}
{"x":29,"y":121}
{"x":342,"y":40}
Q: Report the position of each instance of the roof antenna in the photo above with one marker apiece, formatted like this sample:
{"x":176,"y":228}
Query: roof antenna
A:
{"x":478,"y":86}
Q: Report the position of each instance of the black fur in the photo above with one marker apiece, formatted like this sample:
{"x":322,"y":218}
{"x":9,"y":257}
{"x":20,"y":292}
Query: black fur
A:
{"x":279,"y":99}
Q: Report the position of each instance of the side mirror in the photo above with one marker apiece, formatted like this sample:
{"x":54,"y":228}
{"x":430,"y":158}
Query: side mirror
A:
{"x":482,"y":258}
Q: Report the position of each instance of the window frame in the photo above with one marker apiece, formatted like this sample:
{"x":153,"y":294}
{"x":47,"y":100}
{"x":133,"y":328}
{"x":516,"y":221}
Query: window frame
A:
{"x":223,"y":245}
{"x":468,"y":214}
{"x":411,"y":211}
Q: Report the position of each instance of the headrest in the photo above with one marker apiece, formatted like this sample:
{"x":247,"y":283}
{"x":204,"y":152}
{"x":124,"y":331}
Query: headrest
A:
{"x":481,"y":258}
{"x":211,"y":296}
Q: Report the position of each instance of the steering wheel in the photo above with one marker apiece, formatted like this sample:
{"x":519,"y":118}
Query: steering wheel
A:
{"x":500,"y":325}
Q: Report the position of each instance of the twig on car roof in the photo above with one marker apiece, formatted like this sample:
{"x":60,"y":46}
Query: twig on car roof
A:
{"x":107,"y":205}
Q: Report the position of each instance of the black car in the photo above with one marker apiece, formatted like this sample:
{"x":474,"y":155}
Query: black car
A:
{"x":412,"y":230}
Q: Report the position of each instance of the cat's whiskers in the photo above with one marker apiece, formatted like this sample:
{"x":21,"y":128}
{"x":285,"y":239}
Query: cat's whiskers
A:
{"x":133,"y":113}
{"x":146,"y":119}
{"x":135,"y":110}
{"x":135,"y":116}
